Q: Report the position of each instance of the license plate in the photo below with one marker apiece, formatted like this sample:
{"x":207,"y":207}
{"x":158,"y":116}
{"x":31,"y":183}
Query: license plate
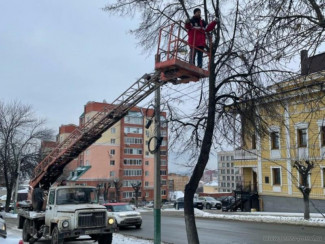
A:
{"x":87,"y":232}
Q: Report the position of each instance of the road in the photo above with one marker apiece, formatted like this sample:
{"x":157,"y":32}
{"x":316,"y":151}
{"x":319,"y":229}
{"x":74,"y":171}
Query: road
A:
{"x":219,"y":231}
{"x":216,"y":231}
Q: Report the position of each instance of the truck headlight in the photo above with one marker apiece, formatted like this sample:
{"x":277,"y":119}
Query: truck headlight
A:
{"x":111,"y":221}
{"x":65,"y":224}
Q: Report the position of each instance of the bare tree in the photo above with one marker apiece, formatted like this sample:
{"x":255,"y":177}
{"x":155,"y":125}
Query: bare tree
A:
{"x":117,"y":185}
{"x":304,"y":168}
{"x":107,"y":185}
{"x":136,"y":188}
{"x":20,"y":136}
{"x":246,"y":49}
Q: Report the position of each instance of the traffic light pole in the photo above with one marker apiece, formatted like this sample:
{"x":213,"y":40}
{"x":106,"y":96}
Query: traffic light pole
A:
{"x":157,"y":190}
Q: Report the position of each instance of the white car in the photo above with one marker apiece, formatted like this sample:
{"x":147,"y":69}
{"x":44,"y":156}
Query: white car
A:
{"x":210,"y":202}
{"x":124,"y":214}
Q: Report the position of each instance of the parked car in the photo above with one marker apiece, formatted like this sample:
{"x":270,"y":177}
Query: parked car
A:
{"x":210,"y":202}
{"x":124,"y":214}
{"x":179,"y":203}
{"x":4,"y":238}
{"x":3,"y":227}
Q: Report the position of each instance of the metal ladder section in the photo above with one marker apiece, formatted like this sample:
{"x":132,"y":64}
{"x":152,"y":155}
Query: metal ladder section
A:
{"x":51,"y":167}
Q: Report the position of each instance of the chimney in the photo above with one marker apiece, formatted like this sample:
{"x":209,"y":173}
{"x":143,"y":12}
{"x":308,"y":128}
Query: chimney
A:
{"x":304,"y":62}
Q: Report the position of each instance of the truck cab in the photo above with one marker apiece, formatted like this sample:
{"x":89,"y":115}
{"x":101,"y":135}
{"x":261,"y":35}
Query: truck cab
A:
{"x":70,"y":211}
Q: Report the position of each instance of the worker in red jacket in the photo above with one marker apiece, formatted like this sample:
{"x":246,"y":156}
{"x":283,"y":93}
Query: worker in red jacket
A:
{"x":196,"y":28}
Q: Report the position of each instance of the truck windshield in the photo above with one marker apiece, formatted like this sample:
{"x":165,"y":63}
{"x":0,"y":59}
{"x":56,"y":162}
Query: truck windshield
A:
{"x":76,"y":196}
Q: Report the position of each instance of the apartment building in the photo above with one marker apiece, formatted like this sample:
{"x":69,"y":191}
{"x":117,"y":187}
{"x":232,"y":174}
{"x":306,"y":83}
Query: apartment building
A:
{"x":121,"y":154}
{"x":267,"y":159}
{"x":229,"y":176}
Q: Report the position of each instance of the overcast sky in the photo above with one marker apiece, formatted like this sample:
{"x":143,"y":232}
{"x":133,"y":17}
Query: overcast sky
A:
{"x":58,"y":55}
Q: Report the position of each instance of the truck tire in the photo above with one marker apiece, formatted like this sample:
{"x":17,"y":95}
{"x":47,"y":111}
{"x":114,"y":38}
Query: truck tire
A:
{"x":26,"y":227}
{"x":208,"y":206}
{"x":55,"y":236}
{"x":21,"y":222}
{"x":37,"y":199}
{"x":105,"y":239}
{"x":137,"y":226}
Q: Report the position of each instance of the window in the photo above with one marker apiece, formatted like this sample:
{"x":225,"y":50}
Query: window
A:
{"x":267,"y":180}
{"x":132,"y":140}
{"x":227,"y":159}
{"x":232,"y":164}
{"x":132,"y":161}
{"x":113,"y":130}
{"x":146,"y":173}
{"x":87,"y":163}
{"x":232,"y":177}
{"x":163,"y":182}
{"x":163,"y":192}
{"x":228,"y":171}
{"x":146,"y":183}
{"x":147,"y":163}
{"x":133,"y":130}
{"x":232,"y":158}
{"x":228,"y":165}
{"x":112,"y":162}
{"x":132,"y":172}
{"x":51,"y":197}
{"x":163,"y":162}
{"x":147,"y":194}
{"x":112,"y":173}
{"x":163,"y":153}
{"x":134,"y":151}
{"x":130,"y":194}
{"x":112,"y":152}
{"x":223,"y":165}
{"x":276,"y":173}
{"x":228,"y":177}
{"x":323,"y":172}
{"x":275,"y":140}
{"x":128,"y":183}
{"x":133,"y":120}
{"x":322,"y":132}
{"x":147,"y":153}
{"x":112,"y":140}
{"x":163,"y":172}
{"x":164,"y":143}
{"x":232,"y":171}
{"x":302,"y":137}
{"x":147,"y":133}
{"x":163,"y":133}
{"x":223,"y":178}
{"x":253,"y":141}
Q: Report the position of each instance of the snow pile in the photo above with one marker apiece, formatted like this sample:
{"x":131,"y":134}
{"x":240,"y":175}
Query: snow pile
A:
{"x":263,"y":218}
{"x":8,"y":215}
{"x":118,"y":238}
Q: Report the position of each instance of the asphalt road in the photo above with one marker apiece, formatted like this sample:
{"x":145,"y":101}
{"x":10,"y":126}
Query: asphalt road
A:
{"x":219,"y":231}
{"x":215,"y":231}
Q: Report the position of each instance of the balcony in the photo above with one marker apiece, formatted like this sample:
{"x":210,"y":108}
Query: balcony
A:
{"x":246,"y":154}
{"x":246,"y":186}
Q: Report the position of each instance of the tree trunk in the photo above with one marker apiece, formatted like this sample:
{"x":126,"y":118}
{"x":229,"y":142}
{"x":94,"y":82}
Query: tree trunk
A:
{"x":9,"y":193}
{"x":306,"y":203}
{"x":191,"y":186}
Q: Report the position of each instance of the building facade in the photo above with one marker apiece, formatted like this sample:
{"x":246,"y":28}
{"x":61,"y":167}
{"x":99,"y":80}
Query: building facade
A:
{"x":120,"y":155}
{"x":229,"y":176}
{"x":298,"y":134}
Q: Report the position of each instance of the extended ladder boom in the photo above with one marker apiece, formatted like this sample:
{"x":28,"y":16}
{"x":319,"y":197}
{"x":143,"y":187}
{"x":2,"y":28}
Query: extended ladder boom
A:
{"x":50,"y":169}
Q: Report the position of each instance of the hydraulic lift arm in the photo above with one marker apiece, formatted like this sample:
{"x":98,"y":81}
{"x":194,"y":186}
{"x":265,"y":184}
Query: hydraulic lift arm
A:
{"x":51,"y":167}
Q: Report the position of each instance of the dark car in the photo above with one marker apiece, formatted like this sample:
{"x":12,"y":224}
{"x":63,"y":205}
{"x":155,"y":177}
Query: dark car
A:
{"x":180,"y":203}
{"x":227,"y":202}
{"x":3,"y":227}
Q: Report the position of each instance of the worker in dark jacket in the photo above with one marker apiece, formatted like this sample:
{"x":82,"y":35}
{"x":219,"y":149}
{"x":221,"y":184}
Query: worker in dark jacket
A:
{"x":196,"y":28}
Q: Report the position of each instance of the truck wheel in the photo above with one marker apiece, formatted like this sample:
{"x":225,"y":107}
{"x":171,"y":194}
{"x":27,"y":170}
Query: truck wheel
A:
{"x":137,"y":226}
{"x":55,"y":236}
{"x":105,"y":239}
{"x":26,"y":227}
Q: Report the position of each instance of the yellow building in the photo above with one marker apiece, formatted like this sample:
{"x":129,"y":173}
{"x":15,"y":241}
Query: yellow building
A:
{"x":297,"y":132}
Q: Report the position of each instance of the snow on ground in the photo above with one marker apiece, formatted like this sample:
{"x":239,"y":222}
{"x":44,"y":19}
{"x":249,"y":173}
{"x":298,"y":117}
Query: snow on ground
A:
{"x":8,"y":215}
{"x":285,"y":219}
{"x":119,"y":238}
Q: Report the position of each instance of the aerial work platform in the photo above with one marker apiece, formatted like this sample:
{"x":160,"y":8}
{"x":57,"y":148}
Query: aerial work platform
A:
{"x":173,"y":55}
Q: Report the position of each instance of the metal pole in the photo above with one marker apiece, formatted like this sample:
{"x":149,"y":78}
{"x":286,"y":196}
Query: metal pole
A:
{"x":157,"y":191}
